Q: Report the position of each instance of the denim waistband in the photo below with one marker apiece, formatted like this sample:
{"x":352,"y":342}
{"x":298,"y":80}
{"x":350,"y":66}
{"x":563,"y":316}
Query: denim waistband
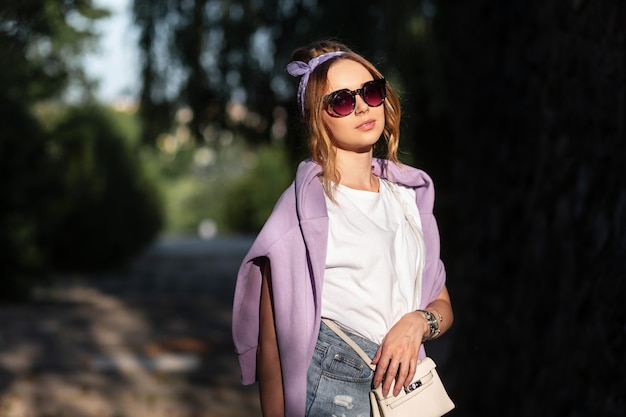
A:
{"x":328,"y":335}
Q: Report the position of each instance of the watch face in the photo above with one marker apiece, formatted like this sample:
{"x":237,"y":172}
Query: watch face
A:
{"x":430,"y":316}
{"x":432,"y":323}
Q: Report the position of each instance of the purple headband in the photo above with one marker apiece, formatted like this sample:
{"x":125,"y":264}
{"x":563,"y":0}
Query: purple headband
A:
{"x":298,"y":68}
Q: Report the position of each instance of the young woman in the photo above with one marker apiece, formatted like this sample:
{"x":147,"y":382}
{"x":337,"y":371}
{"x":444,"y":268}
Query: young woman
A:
{"x":353,"y":240}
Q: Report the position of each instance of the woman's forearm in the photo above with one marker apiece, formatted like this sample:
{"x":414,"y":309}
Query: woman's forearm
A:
{"x":269,"y":371}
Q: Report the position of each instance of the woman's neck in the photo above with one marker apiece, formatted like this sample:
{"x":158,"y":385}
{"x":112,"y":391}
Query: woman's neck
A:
{"x":356,"y":171}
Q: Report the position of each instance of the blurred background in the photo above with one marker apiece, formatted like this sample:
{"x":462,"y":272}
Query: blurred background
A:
{"x":144,"y":142}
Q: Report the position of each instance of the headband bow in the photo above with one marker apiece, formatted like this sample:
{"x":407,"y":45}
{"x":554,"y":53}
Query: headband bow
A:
{"x":304,"y":69}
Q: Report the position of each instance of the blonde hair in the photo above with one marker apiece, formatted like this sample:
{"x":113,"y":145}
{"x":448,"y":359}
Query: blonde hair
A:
{"x":320,"y":143}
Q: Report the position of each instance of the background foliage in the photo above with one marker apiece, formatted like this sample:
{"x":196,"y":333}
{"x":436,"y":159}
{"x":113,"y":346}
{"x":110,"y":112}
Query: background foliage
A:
{"x":72,"y":196}
{"x":103,"y":208}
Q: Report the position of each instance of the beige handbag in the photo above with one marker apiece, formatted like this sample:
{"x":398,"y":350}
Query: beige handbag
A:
{"x":424,"y":397}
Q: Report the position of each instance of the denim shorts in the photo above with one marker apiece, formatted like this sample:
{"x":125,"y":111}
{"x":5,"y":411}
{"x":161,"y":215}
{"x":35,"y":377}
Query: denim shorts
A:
{"x":338,"y":380}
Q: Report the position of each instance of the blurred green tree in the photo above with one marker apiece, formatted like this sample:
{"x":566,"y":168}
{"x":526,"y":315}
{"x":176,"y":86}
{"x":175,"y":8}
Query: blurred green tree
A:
{"x":41,"y":42}
{"x":40,"y":47}
{"x":105,"y":210}
{"x":25,"y":187}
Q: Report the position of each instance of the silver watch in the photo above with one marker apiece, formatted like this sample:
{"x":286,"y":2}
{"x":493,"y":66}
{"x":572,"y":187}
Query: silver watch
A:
{"x":432,"y":323}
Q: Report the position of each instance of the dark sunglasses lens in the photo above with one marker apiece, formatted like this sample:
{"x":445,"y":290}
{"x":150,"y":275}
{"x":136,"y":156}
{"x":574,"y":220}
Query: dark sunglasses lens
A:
{"x":342,"y":103}
{"x":374,"y":93}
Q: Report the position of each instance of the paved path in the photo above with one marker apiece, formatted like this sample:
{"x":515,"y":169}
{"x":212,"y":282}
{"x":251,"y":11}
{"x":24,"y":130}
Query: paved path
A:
{"x":153,"y":340}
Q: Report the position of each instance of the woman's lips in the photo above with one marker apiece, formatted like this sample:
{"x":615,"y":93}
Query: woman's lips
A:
{"x":367,"y":125}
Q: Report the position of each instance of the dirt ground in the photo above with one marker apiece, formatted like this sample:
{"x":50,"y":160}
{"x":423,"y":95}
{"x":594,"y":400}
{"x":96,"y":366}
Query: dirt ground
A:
{"x":153,"y":340}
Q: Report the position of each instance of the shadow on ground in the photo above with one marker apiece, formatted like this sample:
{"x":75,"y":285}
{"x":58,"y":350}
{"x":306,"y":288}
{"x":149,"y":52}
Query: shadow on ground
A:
{"x":153,"y":340}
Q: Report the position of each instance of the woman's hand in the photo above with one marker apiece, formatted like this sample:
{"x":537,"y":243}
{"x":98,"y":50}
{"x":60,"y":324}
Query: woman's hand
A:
{"x":396,"y":357}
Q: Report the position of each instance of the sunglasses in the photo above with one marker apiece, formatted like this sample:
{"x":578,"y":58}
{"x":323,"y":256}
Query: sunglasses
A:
{"x":343,"y":102}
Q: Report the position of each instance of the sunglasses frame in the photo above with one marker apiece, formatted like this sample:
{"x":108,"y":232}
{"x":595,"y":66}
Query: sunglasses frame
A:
{"x":328,"y":99}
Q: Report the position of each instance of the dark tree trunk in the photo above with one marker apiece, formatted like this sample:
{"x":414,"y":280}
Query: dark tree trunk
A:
{"x":538,"y":239}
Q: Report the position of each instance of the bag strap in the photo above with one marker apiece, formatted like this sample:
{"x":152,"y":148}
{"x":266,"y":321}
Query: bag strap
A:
{"x":334,"y":327}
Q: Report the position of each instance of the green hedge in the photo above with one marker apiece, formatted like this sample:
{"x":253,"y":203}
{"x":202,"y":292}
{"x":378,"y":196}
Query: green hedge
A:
{"x":26,"y":186}
{"x":73,"y":199}
{"x":106,"y":210}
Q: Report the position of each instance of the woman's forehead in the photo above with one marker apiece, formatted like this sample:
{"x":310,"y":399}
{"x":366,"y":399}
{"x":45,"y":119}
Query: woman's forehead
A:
{"x":346,"y":73}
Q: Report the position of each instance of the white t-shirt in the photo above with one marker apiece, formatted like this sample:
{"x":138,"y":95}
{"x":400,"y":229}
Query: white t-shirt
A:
{"x":373,"y":259}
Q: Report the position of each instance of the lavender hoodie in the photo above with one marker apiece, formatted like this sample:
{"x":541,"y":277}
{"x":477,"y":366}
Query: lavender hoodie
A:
{"x":294,"y":239}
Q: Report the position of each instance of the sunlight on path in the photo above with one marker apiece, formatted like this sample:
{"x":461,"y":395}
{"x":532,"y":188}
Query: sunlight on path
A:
{"x":83,"y":352}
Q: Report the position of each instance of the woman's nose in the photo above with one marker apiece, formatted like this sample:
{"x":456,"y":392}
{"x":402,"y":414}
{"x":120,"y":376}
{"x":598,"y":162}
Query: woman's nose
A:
{"x":360,"y":105}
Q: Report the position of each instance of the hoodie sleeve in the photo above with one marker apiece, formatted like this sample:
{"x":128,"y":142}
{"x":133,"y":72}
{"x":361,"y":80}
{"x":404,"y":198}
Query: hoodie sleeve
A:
{"x":434,"y":278}
{"x":246,"y":317}
{"x":247,"y":298}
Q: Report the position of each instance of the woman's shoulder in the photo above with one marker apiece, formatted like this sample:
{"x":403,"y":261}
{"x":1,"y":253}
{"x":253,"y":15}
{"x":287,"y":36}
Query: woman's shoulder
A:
{"x":296,"y":203}
{"x":277,"y":225}
{"x":415,"y":179}
{"x":403,"y":174}
{"x":307,"y":170}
